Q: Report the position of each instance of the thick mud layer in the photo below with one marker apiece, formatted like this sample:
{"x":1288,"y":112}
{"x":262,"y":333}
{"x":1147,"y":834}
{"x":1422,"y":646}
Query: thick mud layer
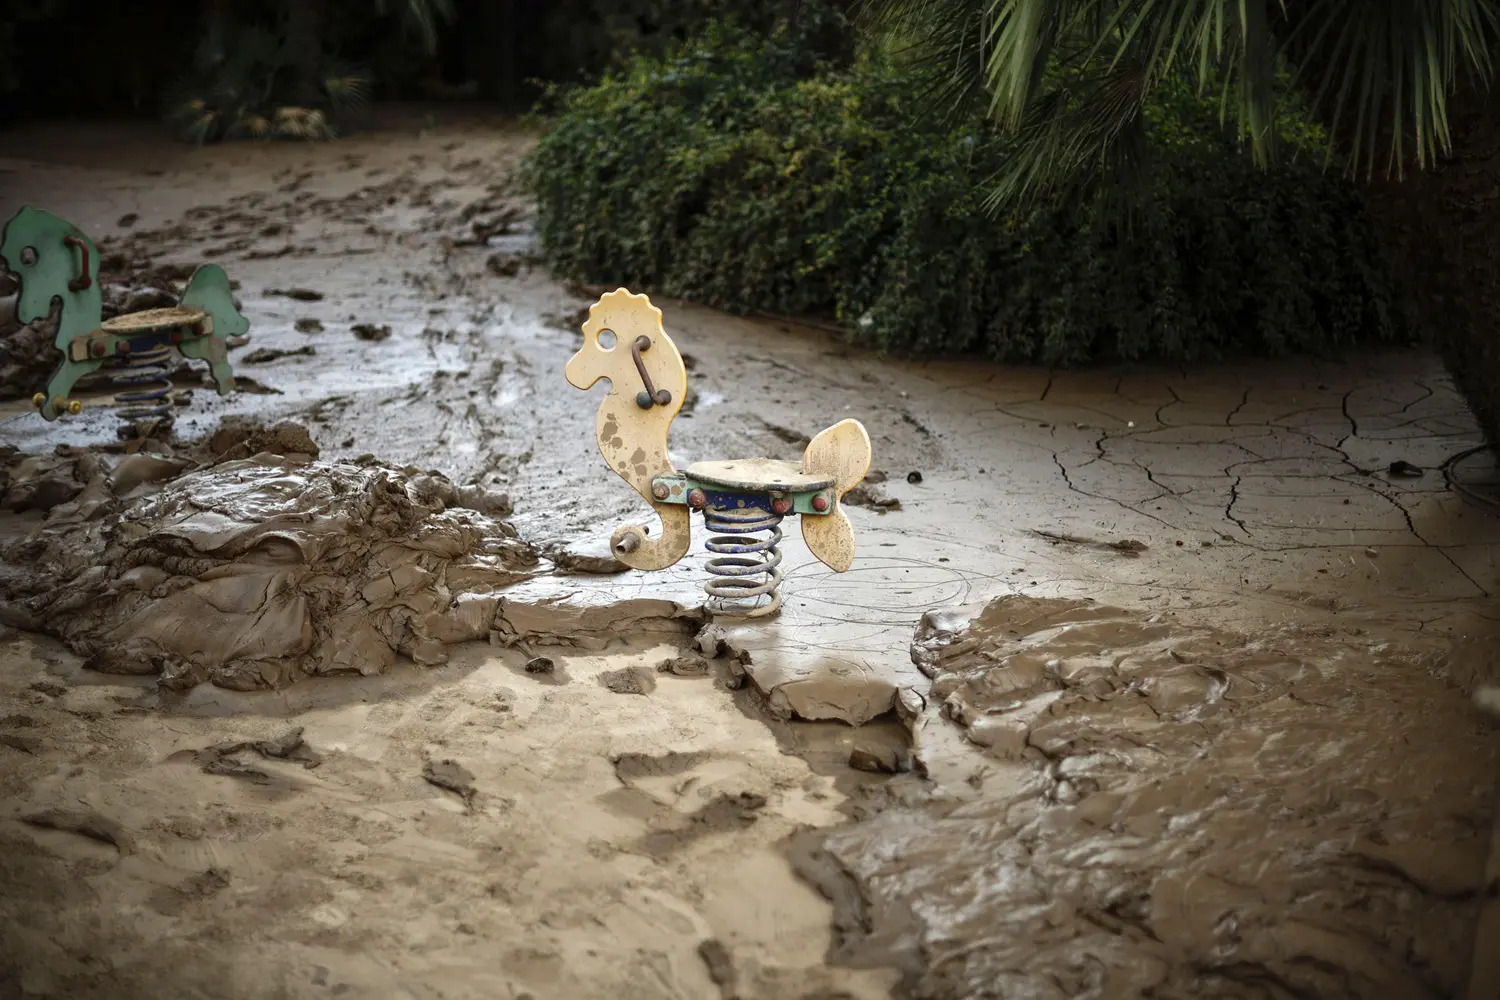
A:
{"x":1172,"y":809}
{"x":254,"y":572}
{"x":471,"y":831}
{"x":164,"y":840}
{"x":246,"y":571}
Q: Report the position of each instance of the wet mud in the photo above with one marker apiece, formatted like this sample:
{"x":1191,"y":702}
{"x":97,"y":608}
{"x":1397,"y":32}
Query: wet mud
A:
{"x":1168,"y":808}
{"x":1189,"y":711}
{"x":247,"y":571}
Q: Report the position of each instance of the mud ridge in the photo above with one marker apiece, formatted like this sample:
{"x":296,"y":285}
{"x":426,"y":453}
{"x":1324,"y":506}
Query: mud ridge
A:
{"x":1174,"y":810}
{"x":245,"y":561}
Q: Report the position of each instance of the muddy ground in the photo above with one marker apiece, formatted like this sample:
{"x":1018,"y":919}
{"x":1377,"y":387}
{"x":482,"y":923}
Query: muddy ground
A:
{"x":1157,"y":683}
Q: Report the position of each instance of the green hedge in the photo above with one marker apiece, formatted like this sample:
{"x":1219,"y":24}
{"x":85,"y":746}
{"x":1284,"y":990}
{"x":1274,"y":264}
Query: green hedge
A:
{"x":727,"y":174}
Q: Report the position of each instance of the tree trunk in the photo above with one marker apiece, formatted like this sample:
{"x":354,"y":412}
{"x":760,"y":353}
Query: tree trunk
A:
{"x":489,"y":30}
{"x":1441,"y":227}
{"x":304,"y":50}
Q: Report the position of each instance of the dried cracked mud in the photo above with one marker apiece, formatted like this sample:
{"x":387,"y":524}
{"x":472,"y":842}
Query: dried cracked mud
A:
{"x":1145,"y":682}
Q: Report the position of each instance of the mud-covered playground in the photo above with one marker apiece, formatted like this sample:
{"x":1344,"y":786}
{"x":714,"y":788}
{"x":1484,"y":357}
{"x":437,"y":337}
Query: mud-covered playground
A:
{"x":1141,"y":682}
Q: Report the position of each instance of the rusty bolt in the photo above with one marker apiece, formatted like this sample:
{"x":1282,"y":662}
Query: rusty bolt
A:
{"x":697,"y":498}
{"x":820,"y":502}
{"x":123,"y":347}
{"x":659,"y":490}
{"x":39,"y":400}
{"x":781,"y":505}
{"x":98,"y":349}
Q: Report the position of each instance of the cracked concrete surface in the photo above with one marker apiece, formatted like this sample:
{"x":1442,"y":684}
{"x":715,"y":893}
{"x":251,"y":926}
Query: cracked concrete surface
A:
{"x":1254,"y":498}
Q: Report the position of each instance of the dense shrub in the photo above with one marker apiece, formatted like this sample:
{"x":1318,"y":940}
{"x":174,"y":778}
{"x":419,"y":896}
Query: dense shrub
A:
{"x":728,"y":174}
{"x":579,"y":38}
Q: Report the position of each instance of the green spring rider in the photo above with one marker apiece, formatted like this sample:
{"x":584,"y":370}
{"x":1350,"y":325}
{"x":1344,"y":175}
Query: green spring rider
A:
{"x":53,"y":260}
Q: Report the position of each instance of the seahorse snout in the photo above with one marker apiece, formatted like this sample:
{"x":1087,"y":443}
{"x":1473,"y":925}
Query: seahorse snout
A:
{"x":588,"y":366}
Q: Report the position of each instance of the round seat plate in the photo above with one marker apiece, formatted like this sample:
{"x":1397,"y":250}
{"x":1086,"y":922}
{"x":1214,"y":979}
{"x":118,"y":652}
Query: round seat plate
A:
{"x":166,"y":318}
{"x":762,"y":475}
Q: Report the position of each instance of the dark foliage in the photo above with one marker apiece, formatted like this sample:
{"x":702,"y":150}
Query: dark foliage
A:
{"x":736,"y":172}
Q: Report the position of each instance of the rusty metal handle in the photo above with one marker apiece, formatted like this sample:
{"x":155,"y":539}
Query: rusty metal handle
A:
{"x":652,"y":396}
{"x":83,"y":281}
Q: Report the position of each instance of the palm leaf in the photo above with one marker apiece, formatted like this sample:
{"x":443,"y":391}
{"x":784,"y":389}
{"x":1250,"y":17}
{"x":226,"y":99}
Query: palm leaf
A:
{"x":1069,"y":78}
{"x":421,"y":16}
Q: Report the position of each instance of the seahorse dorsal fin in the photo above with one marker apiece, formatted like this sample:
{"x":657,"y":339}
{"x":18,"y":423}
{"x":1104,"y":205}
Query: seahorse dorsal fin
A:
{"x":843,"y":452}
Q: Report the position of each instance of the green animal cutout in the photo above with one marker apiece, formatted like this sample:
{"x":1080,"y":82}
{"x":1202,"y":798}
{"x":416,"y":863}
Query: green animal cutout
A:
{"x":53,"y":260}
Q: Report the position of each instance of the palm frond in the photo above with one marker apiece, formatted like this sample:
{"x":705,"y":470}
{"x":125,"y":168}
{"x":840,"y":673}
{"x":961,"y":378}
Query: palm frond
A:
{"x":1087,"y":128}
{"x":1069,"y":79}
{"x":347,"y":87}
{"x":942,"y":38}
{"x":421,"y":16}
{"x":1380,"y":73}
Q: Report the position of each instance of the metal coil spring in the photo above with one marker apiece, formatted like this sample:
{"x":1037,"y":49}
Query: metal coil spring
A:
{"x":150,"y":368}
{"x":745,"y":569}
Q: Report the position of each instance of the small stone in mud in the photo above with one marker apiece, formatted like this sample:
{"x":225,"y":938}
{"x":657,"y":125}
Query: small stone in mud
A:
{"x":867,"y":495}
{"x":55,"y":689}
{"x":570,"y":321}
{"x":913,"y":477}
{"x":879,"y":760}
{"x":246,"y":384}
{"x":1400,"y":468}
{"x":724,"y":813}
{"x":369,"y":331}
{"x":1003,"y":736}
{"x":84,"y":822}
{"x":592,"y":555}
{"x":127,"y":220}
{"x":223,"y":758}
{"x":262,"y":355}
{"x":308,"y":325}
{"x":300,"y":294}
{"x":629,"y":680}
{"x":24,"y":742}
{"x":142,"y":299}
{"x":450,"y":776}
{"x":690,"y":665}
{"x":504,"y":265}
{"x":540,"y":665}
{"x":720,"y":969}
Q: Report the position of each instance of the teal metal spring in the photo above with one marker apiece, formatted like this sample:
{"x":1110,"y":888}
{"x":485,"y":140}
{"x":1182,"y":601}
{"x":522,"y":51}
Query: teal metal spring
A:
{"x":744,"y":569}
{"x":150,"y":369}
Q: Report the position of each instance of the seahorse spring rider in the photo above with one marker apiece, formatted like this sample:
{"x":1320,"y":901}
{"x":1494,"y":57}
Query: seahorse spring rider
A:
{"x":742,"y":500}
{"x":53,"y":261}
